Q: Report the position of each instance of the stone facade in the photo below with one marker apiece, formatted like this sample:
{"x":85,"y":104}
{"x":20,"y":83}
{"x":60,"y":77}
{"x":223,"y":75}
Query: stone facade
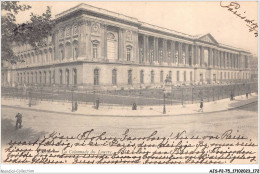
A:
{"x":95,"y":48}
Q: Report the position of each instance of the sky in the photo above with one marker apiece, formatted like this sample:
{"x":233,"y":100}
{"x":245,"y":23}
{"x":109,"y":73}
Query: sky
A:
{"x":188,"y":17}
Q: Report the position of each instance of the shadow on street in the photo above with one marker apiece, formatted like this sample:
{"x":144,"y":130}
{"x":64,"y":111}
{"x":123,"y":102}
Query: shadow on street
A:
{"x":9,"y":132}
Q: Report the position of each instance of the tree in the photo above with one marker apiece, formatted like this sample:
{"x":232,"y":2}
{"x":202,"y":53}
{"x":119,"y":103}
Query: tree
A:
{"x":33,"y":32}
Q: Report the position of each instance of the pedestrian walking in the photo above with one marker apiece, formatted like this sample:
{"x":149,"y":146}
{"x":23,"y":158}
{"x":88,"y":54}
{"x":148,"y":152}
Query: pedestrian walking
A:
{"x":18,"y":120}
{"x":134,"y":107}
{"x":201,"y":106}
{"x":97,"y":103}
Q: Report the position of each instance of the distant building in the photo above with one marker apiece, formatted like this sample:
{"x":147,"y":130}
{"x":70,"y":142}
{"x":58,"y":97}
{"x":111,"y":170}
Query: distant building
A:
{"x":96,"y":48}
{"x":253,"y":66}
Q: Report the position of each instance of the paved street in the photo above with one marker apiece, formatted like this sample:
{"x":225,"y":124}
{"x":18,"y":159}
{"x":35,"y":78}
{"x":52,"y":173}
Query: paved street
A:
{"x":37,"y":123}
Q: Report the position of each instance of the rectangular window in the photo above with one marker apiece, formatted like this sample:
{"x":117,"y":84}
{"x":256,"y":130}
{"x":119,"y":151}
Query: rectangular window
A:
{"x":114,"y":77}
{"x":44,"y":77}
{"x":96,"y":77}
{"x":95,"y":51}
{"x":142,"y":77}
{"x":178,"y":76}
{"x":31,"y":77}
{"x":75,"y":76}
{"x":60,"y":77}
{"x":152,"y":76}
{"x":128,"y":54}
{"x":184,"y":76}
{"x":36,"y":77}
{"x":49,"y":77}
{"x":191,"y":76}
{"x":40,"y":77}
{"x":53,"y":77}
{"x":170,"y":76}
{"x":130,"y":77}
{"x":28,"y":77}
{"x":161,"y":76}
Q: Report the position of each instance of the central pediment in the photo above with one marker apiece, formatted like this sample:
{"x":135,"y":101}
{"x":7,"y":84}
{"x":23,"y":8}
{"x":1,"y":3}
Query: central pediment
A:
{"x":208,"y":38}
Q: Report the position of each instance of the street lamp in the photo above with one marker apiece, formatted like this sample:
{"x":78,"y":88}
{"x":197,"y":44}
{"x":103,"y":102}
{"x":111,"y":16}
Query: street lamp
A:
{"x":72,"y":100}
{"x":164,"y":108}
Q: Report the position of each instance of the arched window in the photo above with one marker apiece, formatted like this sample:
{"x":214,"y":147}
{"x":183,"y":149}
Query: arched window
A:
{"x":46,"y":56}
{"x":96,"y":76}
{"x":21,"y":76}
{"x":18,"y":78}
{"x":75,"y":76}
{"x":161,"y":76}
{"x":178,"y":76}
{"x":170,"y":76}
{"x":112,"y":45}
{"x":68,"y":50}
{"x":114,"y":77}
{"x":28,"y":77}
{"x":75,"y":50}
{"x":32,"y":58}
{"x":49,"y":77}
{"x":50,"y":55}
{"x":67,"y":77}
{"x":152,"y":76}
{"x":142,"y":76}
{"x":53,"y":76}
{"x":32,"y":77}
{"x":24,"y":77}
{"x":29,"y":59}
{"x":36,"y":77}
{"x":40,"y":73}
{"x":128,"y":53}
{"x":95,"y":49}
{"x":40,"y":57}
{"x":61,"y":52}
{"x":25,"y":59}
{"x":44,"y":77}
{"x":61,"y":77}
{"x":130,"y":80}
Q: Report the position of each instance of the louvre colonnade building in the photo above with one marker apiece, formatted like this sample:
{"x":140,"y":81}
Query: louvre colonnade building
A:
{"x":96,"y":48}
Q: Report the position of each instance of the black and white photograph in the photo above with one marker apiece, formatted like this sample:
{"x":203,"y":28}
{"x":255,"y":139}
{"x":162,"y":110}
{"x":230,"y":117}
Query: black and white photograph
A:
{"x":129,"y":82}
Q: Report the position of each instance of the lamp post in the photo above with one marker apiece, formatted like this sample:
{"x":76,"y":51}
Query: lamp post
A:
{"x":72,"y":100}
{"x":164,"y":108}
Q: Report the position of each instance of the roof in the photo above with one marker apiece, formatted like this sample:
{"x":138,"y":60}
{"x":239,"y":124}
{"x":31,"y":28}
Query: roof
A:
{"x":208,"y":38}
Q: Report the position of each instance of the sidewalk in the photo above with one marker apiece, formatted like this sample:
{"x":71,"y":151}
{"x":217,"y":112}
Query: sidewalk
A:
{"x":89,"y":110}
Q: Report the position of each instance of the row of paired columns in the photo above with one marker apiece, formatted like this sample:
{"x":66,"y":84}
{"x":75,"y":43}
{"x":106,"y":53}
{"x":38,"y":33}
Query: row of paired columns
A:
{"x":159,"y":50}
{"x":219,"y":59}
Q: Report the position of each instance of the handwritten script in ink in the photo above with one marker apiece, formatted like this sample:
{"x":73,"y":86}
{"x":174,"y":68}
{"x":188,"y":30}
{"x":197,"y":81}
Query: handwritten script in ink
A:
{"x":234,"y":7}
{"x":90,"y":147}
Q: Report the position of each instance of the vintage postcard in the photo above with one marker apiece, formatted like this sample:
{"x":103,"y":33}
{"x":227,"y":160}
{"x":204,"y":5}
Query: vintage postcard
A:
{"x":129,"y":83}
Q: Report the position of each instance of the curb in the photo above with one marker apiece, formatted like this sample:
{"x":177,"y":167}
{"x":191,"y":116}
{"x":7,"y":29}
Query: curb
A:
{"x":129,"y":116}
